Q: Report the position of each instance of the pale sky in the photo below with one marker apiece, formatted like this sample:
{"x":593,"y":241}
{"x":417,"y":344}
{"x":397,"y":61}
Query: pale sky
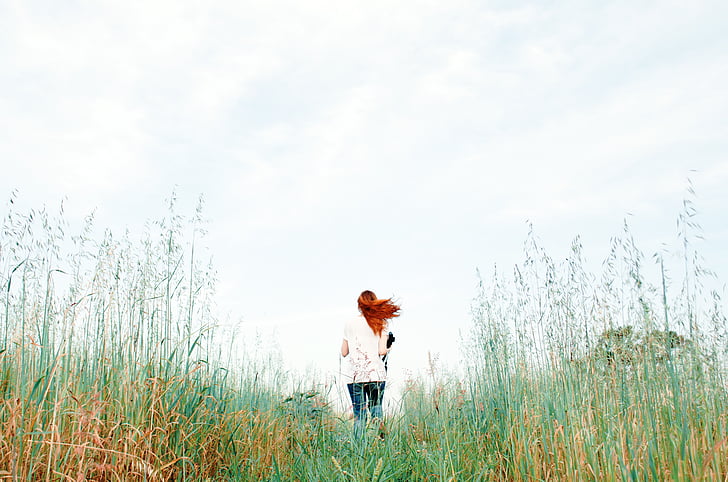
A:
{"x":391,"y":146}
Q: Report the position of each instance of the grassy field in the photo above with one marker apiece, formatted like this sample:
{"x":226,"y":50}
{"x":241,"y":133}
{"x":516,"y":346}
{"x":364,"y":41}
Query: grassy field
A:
{"x":111,"y":369}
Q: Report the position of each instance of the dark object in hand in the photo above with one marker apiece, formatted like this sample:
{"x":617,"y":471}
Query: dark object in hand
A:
{"x":385,"y":358}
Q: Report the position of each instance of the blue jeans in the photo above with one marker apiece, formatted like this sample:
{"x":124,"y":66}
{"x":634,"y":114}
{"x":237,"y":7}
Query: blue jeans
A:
{"x":365,"y":395}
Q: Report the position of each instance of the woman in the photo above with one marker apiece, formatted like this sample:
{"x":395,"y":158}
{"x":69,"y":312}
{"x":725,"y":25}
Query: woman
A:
{"x":365,"y":342}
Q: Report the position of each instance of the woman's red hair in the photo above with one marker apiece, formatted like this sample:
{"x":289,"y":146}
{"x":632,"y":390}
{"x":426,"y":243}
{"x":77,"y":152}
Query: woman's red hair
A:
{"x":376,"y":311}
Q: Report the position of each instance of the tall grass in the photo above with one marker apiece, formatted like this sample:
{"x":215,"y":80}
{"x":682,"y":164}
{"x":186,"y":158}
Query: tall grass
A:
{"x":578,"y":376}
{"x":122,"y":374}
{"x":112,"y":368}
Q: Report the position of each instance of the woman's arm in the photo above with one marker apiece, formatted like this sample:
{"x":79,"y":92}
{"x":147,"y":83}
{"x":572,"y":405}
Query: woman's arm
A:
{"x":344,"y":348}
{"x":383,"y":342}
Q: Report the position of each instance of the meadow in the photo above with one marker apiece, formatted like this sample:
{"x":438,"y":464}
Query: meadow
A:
{"x":112,"y":368}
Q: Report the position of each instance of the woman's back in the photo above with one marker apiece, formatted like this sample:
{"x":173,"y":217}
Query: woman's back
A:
{"x":364,"y":361}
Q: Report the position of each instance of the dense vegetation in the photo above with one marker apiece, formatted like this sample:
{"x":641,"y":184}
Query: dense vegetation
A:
{"x":111,"y":369}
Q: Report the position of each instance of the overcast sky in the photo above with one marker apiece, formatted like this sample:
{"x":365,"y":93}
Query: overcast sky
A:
{"x":391,"y":146}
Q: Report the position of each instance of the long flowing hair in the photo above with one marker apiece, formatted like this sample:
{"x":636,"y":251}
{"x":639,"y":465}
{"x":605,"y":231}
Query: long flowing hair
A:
{"x":376,"y":311}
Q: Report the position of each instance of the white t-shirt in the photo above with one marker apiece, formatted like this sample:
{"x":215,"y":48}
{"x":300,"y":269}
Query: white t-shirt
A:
{"x":364,"y":362}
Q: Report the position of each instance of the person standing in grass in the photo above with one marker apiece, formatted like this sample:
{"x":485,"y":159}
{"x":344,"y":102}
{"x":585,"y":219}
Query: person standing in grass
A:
{"x":364,"y":345}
